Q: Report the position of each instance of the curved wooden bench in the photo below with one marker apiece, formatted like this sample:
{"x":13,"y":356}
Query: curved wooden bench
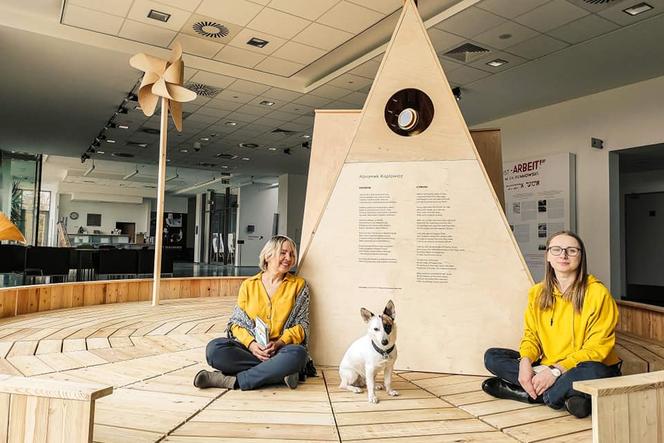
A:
{"x":34,"y":409}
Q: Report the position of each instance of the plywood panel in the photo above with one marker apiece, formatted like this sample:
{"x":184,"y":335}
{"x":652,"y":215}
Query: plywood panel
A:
{"x":413,"y":219}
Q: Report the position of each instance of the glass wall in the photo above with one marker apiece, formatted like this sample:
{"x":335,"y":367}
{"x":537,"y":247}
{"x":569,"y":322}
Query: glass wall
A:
{"x":20,"y":199}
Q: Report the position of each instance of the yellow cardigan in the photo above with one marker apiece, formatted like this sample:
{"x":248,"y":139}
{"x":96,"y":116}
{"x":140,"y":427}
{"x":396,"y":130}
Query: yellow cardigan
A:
{"x":253,"y":300}
{"x":565,"y":337}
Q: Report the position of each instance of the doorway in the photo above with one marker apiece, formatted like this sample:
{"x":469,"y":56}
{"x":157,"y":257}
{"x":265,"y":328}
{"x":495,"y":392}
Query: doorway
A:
{"x":128,"y":229}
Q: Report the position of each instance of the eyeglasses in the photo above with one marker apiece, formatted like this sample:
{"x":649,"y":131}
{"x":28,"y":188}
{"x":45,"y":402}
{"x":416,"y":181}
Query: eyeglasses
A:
{"x":570,"y":251}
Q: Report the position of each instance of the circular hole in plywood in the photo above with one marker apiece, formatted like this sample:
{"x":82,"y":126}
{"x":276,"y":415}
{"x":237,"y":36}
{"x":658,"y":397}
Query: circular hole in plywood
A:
{"x":409,"y":112}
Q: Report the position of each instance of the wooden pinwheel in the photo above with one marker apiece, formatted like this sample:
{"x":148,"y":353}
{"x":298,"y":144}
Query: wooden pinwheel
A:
{"x":9,"y":231}
{"x":162,"y":79}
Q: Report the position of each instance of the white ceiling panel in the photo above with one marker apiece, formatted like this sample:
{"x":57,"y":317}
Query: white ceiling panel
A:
{"x":93,"y":20}
{"x":443,"y":41}
{"x":331,"y":92}
{"x":510,"y":8}
{"x":282,"y":94}
{"x":278,"y":66}
{"x":278,"y":23}
{"x":350,"y":17}
{"x":382,"y":6}
{"x":297,"y":108}
{"x":234,"y":96}
{"x":322,"y":36}
{"x":239,"y":12}
{"x":188,"y":5}
{"x":583,"y":29}
{"x":616,"y":14}
{"x":222,"y":104}
{"x":551,"y":15}
{"x":198,"y":46}
{"x":299,"y":53}
{"x":537,"y":47}
{"x":470,"y":22}
{"x":212,"y":79}
{"x":140,"y":9}
{"x":282,"y":116}
{"x":312,"y":100}
{"x":507,"y":34}
{"x":240,"y":57}
{"x":367,"y":69}
{"x":241,"y":39}
{"x":466,"y":74}
{"x":356,"y":98}
{"x":350,"y":81}
{"x":255,"y":108}
{"x":117,"y":7}
{"x":248,"y":87}
{"x":242,"y":117}
{"x":147,"y":33}
{"x":307,"y":9}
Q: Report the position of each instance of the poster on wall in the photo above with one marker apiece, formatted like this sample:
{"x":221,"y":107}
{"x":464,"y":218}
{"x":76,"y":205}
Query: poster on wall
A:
{"x":175,"y":225}
{"x":540,"y":199}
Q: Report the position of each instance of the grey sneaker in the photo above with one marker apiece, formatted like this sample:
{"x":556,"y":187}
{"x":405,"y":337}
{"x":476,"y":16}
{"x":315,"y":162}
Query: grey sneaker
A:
{"x":214,"y":379}
{"x":292,"y":380}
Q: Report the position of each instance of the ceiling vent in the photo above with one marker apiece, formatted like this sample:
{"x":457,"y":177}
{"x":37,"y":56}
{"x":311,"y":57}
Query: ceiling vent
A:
{"x":207,"y":164}
{"x":466,"y":52}
{"x":282,"y":131}
{"x":211,"y":30}
{"x":122,"y":155}
{"x":226,"y":156}
{"x":202,"y":89}
{"x":152,"y":131}
{"x":594,"y":5}
{"x":599,"y":2}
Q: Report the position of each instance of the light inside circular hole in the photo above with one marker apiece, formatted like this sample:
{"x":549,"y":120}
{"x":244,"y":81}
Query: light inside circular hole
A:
{"x":407,"y":119}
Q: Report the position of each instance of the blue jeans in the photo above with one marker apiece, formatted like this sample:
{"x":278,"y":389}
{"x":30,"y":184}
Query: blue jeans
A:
{"x":233,"y":358}
{"x":504,"y":363}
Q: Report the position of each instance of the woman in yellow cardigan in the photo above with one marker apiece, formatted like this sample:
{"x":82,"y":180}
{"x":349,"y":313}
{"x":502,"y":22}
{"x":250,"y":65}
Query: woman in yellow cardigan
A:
{"x":281,"y":301}
{"x":569,"y":335}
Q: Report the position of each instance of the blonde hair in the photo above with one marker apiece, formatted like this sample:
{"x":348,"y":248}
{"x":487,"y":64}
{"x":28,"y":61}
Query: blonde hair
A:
{"x":577,"y":290}
{"x":273,"y":246}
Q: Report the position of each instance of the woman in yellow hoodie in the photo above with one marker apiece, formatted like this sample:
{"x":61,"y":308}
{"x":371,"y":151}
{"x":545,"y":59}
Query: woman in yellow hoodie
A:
{"x":569,"y":335}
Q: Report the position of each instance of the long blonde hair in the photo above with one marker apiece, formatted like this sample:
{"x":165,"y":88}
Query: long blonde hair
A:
{"x":577,"y":290}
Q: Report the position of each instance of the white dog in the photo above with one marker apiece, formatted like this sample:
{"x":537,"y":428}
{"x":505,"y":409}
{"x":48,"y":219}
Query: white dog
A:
{"x":368,"y":354}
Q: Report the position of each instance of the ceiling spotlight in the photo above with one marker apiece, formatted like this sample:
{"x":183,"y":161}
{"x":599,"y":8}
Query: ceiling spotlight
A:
{"x":158,"y":15}
{"x":457,"y":93}
{"x":248,"y":145}
{"x":272,"y":149}
{"x":122,"y":110}
{"x":131,"y":97}
{"x":638,"y":9}
{"x":101,"y":152}
{"x":306,"y":136}
{"x":246,"y":158}
{"x":230,"y":123}
{"x":205,"y":139}
{"x":497,"y":62}
{"x":266,"y":103}
{"x":257,"y":42}
{"x":184,"y":150}
{"x":90,"y":169}
{"x":110,"y":140}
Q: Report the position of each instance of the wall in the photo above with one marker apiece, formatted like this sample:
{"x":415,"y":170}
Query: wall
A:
{"x":258,"y":204}
{"x":623,"y":117}
{"x":292,"y":193}
{"x":110,"y":213}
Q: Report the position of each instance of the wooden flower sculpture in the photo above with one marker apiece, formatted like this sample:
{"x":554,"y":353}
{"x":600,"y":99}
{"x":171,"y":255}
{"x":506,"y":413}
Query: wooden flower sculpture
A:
{"x":163,"y":79}
{"x":9,"y":231}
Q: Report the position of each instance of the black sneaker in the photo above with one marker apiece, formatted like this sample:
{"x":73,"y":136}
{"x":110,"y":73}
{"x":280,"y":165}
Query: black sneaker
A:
{"x":499,"y":388}
{"x":291,"y":380}
{"x":578,"y":405}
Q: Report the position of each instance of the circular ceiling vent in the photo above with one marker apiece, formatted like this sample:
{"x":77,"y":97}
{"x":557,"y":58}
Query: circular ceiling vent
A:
{"x":210,"y":29}
{"x":598,"y":2}
{"x":122,"y":155}
{"x":202,"y":89}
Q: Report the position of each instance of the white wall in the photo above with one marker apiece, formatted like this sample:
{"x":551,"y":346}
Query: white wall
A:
{"x":624,"y":117}
{"x":258,"y":204}
{"x":292,"y":193}
{"x":110,"y":213}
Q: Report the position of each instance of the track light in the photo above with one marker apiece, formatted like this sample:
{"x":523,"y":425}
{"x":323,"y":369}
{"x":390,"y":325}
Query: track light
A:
{"x":457,"y":93}
{"x":84,"y":157}
{"x":202,"y":184}
{"x":90,"y":169}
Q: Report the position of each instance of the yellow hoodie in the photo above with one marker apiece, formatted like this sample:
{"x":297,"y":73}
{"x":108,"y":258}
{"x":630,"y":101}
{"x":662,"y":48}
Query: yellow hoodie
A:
{"x":563,"y":336}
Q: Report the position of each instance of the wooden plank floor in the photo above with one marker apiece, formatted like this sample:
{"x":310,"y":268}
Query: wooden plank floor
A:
{"x":151,"y":354}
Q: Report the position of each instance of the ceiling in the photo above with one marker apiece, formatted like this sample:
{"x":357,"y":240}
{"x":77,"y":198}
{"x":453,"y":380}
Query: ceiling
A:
{"x":66,"y":72}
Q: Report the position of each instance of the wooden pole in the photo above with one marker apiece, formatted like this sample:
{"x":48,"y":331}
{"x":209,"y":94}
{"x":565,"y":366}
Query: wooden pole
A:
{"x":161,"y":185}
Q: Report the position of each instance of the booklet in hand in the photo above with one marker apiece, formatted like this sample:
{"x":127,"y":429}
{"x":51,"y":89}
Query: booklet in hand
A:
{"x":261,"y":332}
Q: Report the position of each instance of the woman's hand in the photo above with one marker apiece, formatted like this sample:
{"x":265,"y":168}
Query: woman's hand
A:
{"x":543,"y":381}
{"x":258,"y":351}
{"x":274,"y":346}
{"x":526,"y":377}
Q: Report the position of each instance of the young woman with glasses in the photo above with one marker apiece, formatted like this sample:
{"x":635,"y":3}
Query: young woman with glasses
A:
{"x":569,"y":335}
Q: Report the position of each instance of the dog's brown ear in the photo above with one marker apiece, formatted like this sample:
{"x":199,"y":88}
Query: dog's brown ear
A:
{"x":366,"y":314}
{"x":389,"y":309}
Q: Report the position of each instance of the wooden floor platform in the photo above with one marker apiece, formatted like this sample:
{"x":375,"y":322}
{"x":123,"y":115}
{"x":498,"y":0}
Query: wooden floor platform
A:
{"x":150,"y":356}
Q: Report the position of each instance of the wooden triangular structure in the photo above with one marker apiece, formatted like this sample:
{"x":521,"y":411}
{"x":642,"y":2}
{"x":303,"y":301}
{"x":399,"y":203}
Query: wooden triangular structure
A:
{"x":412,"y":218}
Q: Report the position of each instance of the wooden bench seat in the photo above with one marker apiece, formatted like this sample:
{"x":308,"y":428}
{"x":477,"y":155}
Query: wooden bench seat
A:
{"x":639,"y":354}
{"x":37,"y":409}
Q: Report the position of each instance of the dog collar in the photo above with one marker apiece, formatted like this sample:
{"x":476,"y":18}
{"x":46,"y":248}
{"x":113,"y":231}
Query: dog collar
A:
{"x":384,"y":352}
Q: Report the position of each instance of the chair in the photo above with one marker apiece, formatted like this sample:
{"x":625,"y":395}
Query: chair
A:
{"x":117,"y":262}
{"x":46,"y":262}
{"x":12,"y":259}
